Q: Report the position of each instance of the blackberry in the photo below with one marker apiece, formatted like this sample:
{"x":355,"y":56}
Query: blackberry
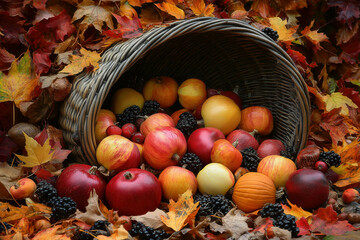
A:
{"x":331,"y":158}
{"x":187,"y":123}
{"x":45,"y":192}
{"x":271,"y":33}
{"x":210,"y":205}
{"x":62,"y":208}
{"x":289,"y":152}
{"x":150,"y":107}
{"x":100,"y":225}
{"x":128,"y":116}
{"x":191,"y":162}
{"x":288,"y":222}
{"x":84,"y":235}
{"x":271,"y":210}
{"x":4,"y":226}
{"x":147,"y":233}
{"x":250,"y":159}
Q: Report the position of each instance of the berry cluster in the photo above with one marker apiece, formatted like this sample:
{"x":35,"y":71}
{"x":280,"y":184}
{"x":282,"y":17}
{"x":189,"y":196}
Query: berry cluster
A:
{"x":271,"y":33}
{"x":62,"y":207}
{"x":191,"y":162}
{"x":128,"y":116}
{"x":330,"y":158}
{"x":187,"y":123}
{"x":280,"y":219}
{"x":211,"y":205}
{"x":150,"y":107}
{"x":147,"y":233}
{"x":100,"y":227}
{"x":289,"y":152}
{"x":250,"y":159}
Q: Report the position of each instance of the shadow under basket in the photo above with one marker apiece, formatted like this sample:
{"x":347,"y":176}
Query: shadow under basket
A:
{"x":224,"y":53}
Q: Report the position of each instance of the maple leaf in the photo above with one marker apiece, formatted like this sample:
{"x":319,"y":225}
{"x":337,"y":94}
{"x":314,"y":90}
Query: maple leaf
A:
{"x":78,"y":63}
{"x":263,"y":7}
{"x":296,"y":211}
{"x":326,"y":222}
{"x":348,"y":11}
{"x":171,"y":9}
{"x":286,"y":35}
{"x":36,"y":154}
{"x":127,"y":28}
{"x":182,"y":212}
{"x":93,"y":14}
{"x":118,"y":234}
{"x":314,"y":36}
{"x":6,"y":59}
{"x":7,"y":147}
{"x":344,"y":33}
{"x":291,"y":5}
{"x":304,"y":227}
{"x":338,"y":100}
{"x":200,"y":9}
{"x":12,"y":29}
{"x":138,"y":3}
{"x":127,"y":10}
{"x":19,"y":84}
{"x":352,"y":94}
{"x":51,"y":233}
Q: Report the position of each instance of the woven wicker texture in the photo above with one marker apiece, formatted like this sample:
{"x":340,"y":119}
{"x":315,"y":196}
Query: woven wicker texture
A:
{"x":221,"y":52}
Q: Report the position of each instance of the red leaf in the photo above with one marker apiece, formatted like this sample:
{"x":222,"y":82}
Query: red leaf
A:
{"x":333,"y":122}
{"x":41,"y":61}
{"x":352,"y":94}
{"x":6,"y":114}
{"x":11,"y":28}
{"x":42,"y":173}
{"x":6,"y":59}
{"x":42,"y":137}
{"x":127,"y":28}
{"x":303,"y":226}
{"x":351,"y":50}
{"x":326,"y":222}
{"x":7,"y":147}
{"x":299,"y":59}
{"x":265,"y":227}
{"x":349,"y":10}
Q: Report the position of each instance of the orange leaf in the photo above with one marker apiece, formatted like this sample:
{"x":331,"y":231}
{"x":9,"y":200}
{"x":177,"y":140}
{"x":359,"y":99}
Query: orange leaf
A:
{"x":171,"y":9}
{"x":50,"y":233}
{"x":18,"y":85}
{"x":78,"y":63}
{"x":138,"y":3}
{"x":263,"y":7}
{"x":314,"y":36}
{"x":24,"y":226}
{"x":286,"y":35}
{"x":118,"y":234}
{"x":182,"y":212}
{"x":200,"y":9}
{"x":326,"y":222}
{"x":296,"y":211}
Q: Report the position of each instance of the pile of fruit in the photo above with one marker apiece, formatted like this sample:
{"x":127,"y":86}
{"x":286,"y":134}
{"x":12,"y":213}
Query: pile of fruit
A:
{"x":155,"y":151}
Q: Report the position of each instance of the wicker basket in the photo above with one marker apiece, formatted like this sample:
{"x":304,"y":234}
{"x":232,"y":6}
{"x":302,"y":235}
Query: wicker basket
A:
{"x":221,"y":52}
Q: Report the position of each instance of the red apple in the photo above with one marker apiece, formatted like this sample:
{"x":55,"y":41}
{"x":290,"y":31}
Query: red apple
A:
{"x":321,"y":166}
{"x":201,"y":141}
{"x":128,"y":130}
{"x":138,"y":138}
{"x":164,"y":147}
{"x":77,"y":181}
{"x":105,"y":119}
{"x":192,"y":93}
{"x":233,"y":96}
{"x":176,"y":180}
{"x":350,"y":195}
{"x":270,"y":147}
{"x":212,"y":92}
{"x":133,"y":192}
{"x":243,"y":138}
{"x":155,"y":121}
{"x":257,"y":117}
{"x":225,"y":153}
{"x":113,"y":130}
{"x":117,"y":153}
{"x":163,"y":89}
{"x":197,"y":112}
{"x":23,"y":188}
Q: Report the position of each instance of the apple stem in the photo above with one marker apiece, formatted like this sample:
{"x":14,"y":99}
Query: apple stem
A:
{"x":200,"y":122}
{"x":93,"y":170}
{"x":175,"y":157}
{"x":235,"y":143}
{"x":254,"y":133}
{"x":159,"y":80}
{"x":128,"y":175}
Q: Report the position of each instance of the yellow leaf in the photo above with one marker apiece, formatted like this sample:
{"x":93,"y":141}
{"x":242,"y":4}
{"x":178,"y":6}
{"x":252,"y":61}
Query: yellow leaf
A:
{"x":78,"y":63}
{"x":285,"y":34}
{"x":296,"y":211}
{"x":37,"y":154}
{"x":171,"y":9}
{"x":200,"y":9}
{"x":182,"y":212}
{"x":337,"y":100}
{"x":93,"y":15}
{"x":18,"y":85}
{"x":119,"y":234}
{"x":314,"y":36}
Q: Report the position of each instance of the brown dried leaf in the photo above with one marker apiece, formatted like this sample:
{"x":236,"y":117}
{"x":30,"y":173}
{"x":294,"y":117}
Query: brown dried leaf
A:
{"x":8,"y":177}
{"x":41,"y":108}
{"x":235,"y":223}
{"x":63,"y":58}
{"x":151,"y":219}
{"x":93,"y":212}
{"x":118,"y":234}
{"x":281,"y":233}
{"x":63,"y":46}
{"x":344,"y":34}
{"x":48,"y":80}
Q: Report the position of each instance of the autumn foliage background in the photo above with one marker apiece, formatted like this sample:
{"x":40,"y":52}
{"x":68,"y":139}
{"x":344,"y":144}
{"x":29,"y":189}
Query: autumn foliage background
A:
{"x":44,"y":40}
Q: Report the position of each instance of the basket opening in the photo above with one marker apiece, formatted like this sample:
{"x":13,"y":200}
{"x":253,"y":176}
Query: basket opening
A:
{"x":224,"y":60}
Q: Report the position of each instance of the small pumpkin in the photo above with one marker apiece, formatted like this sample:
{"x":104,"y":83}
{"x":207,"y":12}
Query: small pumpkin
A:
{"x":252,"y":191}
